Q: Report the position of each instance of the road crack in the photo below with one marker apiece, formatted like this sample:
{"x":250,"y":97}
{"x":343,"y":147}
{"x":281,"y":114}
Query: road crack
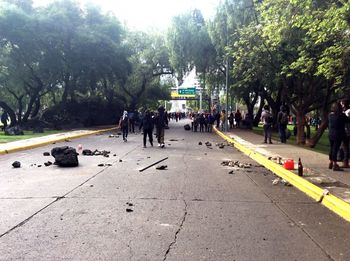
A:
{"x":177,"y":232}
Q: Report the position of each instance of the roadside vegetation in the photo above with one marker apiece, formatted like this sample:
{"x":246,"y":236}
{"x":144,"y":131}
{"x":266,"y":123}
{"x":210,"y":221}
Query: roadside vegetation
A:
{"x":27,"y":135}
{"x":64,"y":65}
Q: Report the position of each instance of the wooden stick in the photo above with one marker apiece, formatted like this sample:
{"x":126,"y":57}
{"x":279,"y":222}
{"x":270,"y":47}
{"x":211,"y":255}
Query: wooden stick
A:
{"x":153,"y":164}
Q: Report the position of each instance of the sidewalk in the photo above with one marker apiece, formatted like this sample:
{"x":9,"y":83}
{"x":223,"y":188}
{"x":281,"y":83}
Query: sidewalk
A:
{"x":315,"y":166}
{"x":43,"y":140}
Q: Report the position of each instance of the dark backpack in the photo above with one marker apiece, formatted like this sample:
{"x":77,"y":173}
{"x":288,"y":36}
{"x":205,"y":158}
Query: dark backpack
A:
{"x":284,"y":118}
{"x":269,"y":119}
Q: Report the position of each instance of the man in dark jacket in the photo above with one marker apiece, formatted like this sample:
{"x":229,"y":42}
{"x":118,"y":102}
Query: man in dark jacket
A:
{"x":147,"y":124}
{"x":160,"y":121}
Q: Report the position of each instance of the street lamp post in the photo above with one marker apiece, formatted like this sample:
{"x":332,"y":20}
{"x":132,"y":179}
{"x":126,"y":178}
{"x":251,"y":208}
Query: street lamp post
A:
{"x":226,"y":94}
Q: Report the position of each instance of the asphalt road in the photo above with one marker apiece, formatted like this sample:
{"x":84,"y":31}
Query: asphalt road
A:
{"x":193,"y":210}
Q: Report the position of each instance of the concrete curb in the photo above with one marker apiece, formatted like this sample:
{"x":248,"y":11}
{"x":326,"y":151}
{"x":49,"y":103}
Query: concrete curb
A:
{"x":39,"y":144}
{"x":333,"y":203}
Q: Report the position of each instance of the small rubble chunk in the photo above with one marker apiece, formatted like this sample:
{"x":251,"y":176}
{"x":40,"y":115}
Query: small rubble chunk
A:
{"x":16,"y":164}
{"x":200,"y":143}
{"x":46,"y":153}
{"x":49,"y":163}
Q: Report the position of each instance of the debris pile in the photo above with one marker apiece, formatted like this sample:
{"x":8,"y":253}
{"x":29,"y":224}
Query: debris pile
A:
{"x":236,"y":163}
{"x":282,"y":181}
{"x":113,"y":136}
{"x":220,"y":145}
{"x":96,"y":152}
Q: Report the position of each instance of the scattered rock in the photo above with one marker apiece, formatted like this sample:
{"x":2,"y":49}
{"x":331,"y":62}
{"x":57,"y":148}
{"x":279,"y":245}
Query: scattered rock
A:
{"x":113,"y":136}
{"x":49,"y":163}
{"x":46,"y":153}
{"x":161,"y":167}
{"x":67,"y":140}
{"x":200,"y":143}
{"x":65,"y":156}
{"x":39,"y":166}
{"x":120,"y":160}
{"x":129,"y":210}
{"x":87,"y":152}
{"x":16,"y":164}
{"x":208,"y":144}
{"x":236,"y":163}
{"x":114,"y":155}
{"x":129,"y":204}
{"x":101,"y":165}
{"x":173,"y":140}
{"x":276,"y":181}
{"x":187,"y":127}
{"x":231,"y":172}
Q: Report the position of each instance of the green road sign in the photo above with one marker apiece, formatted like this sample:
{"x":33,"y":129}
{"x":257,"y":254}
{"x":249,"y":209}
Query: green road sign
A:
{"x":186,"y":91}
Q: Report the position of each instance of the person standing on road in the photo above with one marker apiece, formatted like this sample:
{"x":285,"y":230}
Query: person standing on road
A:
{"x":346,"y":141}
{"x":282,"y":121}
{"x":267,"y":119}
{"x":160,"y":122}
{"x":336,"y":134}
{"x":124,"y":125}
{"x":147,"y":125}
{"x":238,"y":118}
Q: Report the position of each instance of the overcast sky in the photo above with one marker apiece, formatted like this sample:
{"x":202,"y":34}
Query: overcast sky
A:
{"x":144,"y":14}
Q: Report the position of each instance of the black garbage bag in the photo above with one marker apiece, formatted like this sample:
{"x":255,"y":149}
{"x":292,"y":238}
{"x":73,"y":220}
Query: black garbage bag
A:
{"x":65,"y":156}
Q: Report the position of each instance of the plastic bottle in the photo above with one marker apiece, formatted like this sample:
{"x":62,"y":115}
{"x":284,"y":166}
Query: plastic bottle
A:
{"x":300,"y":168}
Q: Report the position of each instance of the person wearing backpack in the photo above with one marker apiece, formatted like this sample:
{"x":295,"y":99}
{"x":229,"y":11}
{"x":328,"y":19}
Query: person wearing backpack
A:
{"x":282,"y":121}
{"x":267,"y":119}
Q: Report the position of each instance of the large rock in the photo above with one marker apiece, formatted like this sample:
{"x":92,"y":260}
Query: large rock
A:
{"x":65,"y":156}
{"x":15,"y":130}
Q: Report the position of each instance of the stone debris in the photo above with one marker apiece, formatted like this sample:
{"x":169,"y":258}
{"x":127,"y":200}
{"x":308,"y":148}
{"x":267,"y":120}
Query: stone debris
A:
{"x":276,"y":159}
{"x":49,"y":163}
{"x":113,"y":136}
{"x":65,"y":156}
{"x":236,"y":163}
{"x":282,"y":181}
{"x":208,"y":144}
{"x":129,"y":210}
{"x":161,"y":167}
{"x":187,"y":127}
{"x":200,"y":143}
{"x":67,"y":140}
{"x":220,"y":145}
{"x":16,"y":164}
{"x":96,"y":152}
{"x":173,"y":140}
{"x":46,"y":153}
{"x":231,"y":172}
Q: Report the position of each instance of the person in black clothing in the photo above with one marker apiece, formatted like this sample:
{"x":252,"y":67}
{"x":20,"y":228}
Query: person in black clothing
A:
{"x":201,"y":122}
{"x":282,"y":121}
{"x":4,"y":118}
{"x":147,"y":124}
{"x":336,"y":125}
{"x":161,"y":121}
{"x":238,"y":118}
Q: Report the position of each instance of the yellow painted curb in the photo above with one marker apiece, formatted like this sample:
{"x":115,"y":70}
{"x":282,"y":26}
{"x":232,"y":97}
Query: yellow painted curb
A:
{"x":39,"y":144}
{"x":321,"y":195}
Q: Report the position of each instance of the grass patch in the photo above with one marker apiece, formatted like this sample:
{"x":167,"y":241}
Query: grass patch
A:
{"x":322,"y":145}
{"x":27,"y":135}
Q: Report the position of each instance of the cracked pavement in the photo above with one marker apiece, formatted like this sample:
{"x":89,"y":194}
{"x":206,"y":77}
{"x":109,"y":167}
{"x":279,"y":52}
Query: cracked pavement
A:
{"x":193,"y":210}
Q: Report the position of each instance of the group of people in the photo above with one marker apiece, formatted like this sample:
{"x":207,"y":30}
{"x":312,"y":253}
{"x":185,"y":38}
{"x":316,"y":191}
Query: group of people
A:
{"x":149,"y":120}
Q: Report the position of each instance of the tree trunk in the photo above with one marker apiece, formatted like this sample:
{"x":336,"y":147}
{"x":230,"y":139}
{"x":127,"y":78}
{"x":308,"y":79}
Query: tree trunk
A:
{"x":324,"y":124}
{"x":258,"y":115}
{"x":300,"y":127}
